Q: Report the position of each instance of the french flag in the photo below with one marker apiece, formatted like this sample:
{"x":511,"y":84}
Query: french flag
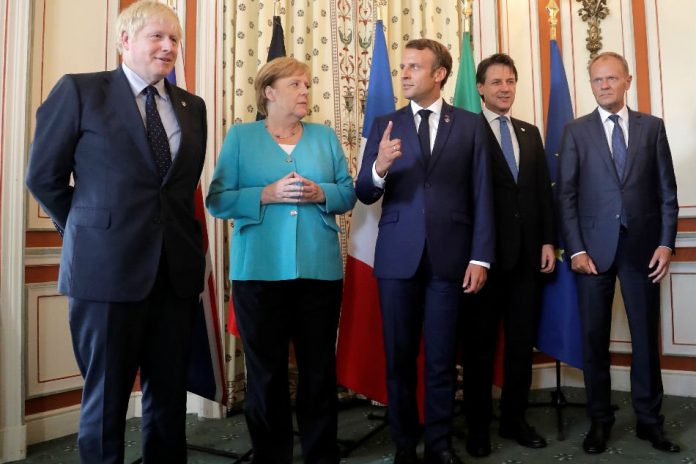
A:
{"x":360,"y":360}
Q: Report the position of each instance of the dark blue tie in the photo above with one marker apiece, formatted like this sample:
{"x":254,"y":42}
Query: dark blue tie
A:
{"x":156,"y":135}
{"x":618,"y":147}
{"x":424,"y":134}
{"x":506,"y":145}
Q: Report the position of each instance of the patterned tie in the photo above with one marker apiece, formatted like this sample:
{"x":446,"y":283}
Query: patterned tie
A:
{"x":156,"y":135}
{"x":506,"y":145}
{"x":424,"y":134}
{"x":618,"y":147}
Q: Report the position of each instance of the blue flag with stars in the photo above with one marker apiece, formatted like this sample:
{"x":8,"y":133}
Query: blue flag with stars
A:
{"x":559,"y":332}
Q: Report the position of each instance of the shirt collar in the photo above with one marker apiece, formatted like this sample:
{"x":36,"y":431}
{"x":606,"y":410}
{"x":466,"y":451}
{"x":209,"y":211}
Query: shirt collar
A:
{"x":604,"y":114}
{"x":436,"y":107}
{"x":491,"y":116}
{"x":138,"y":84}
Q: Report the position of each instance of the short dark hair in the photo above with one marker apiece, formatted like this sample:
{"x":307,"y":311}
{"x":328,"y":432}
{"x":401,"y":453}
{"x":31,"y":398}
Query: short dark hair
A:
{"x":497,"y":58}
{"x":443,"y":59}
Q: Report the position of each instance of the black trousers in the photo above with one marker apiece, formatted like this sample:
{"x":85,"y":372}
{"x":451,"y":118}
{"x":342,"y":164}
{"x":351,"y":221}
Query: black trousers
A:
{"x":642,"y":302}
{"x":271,"y":314}
{"x":511,"y":296}
{"x":111,"y":341}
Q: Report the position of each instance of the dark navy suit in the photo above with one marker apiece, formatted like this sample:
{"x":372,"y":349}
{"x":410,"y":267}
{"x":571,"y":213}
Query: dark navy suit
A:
{"x":435,"y":219}
{"x":592,"y":201}
{"x":132,"y":262}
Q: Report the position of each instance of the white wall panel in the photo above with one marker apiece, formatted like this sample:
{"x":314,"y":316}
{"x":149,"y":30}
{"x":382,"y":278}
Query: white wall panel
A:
{"x":58,"y":49}
{"x":50,"y":364}
{"x":672,"y":72}
{"x":520,"y":39}
{"x":678,"y":315}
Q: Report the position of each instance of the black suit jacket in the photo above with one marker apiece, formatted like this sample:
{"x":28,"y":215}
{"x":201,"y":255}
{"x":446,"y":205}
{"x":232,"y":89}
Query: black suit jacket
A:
{"x":524,"y":214}
{"x":118,"y":216}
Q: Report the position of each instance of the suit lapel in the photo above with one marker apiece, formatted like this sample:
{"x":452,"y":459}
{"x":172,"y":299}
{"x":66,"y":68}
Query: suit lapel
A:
{"x":499,"y":162}
{"x":635,"y":134}
{"x":181,"y":110}
{"x":443,"y":130}
{"x":598,"y":138}
{"x":122,"y":102}
{"x":408,"y":133}
{"x":523,"y":143}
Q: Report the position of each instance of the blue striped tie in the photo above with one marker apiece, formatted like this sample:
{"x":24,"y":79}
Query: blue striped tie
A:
{"x":618,"y":147}
{"x":506,"y":145}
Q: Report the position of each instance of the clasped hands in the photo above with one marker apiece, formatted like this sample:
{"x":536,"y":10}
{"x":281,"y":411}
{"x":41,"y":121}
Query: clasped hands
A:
{"x":293,"y":188}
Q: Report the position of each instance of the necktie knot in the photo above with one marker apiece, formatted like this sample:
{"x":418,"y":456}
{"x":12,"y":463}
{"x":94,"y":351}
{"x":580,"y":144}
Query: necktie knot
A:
{"x":424,"y":114}
{"x":614,"y":118}
{"x":151,"y":91}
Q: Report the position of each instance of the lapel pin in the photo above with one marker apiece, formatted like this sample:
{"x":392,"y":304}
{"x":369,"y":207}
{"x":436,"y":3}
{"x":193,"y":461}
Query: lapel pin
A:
{"x":447,"y":118}
{"x":522,"y":129}
{"x":183,"y":103}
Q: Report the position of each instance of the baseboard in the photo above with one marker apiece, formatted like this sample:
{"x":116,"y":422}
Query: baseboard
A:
{"x":675,"y":383}
{"x":13,"y":443}
{"x":48,"y":425}
{"x":58,"y":423}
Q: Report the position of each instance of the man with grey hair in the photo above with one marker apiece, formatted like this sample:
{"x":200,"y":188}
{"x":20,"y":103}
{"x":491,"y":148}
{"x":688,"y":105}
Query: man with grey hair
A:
{"x":618,"y":208}
{"x":132,"y":262}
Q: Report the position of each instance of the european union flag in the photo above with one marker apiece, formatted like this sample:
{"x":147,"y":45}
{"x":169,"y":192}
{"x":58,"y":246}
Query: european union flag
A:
{"x":559,"y":328}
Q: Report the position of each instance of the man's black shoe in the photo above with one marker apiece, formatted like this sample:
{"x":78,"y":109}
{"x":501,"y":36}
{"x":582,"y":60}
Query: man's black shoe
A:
{"x":595,"y":441}
{"x":522,"y":433}
{"x":447,"y":456}
{"x":656,"y":435}
{"x":478,"y":444}
{"x":406,"y":456}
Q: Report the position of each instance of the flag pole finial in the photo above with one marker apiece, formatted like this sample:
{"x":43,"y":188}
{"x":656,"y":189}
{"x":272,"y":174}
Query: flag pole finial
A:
{"x":276,"y":8}
{"x":467,"y":9}
{"x":552,"y":9}
{"x":378,"y":5}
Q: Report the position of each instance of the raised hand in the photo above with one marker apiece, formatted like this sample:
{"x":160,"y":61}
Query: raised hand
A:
{"x":389,"y":150}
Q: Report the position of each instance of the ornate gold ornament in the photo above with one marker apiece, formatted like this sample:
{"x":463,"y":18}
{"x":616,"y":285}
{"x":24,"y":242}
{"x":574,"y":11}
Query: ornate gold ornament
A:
{"x":552,"y":9}
{"x":592,"y":12}
{"x":467,"y":10}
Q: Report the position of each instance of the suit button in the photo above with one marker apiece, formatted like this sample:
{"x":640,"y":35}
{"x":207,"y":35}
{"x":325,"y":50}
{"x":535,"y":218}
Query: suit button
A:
{"x":293,"y":213}
{"x":618,"y":216}
{"x":517,"y":215}
{"x":427,"y":185}
{"x":157,"y":220}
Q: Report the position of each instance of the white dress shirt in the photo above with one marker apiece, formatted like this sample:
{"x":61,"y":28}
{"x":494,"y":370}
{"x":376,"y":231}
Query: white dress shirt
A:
{"x":494,"y":122}
{"x":164,"y":107}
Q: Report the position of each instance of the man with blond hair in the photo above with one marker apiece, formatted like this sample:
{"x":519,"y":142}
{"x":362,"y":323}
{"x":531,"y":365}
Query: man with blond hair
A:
{"x":132,"y":262}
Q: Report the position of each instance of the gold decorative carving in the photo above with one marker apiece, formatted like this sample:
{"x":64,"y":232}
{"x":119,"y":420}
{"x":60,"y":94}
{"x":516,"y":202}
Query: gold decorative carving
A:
{"x":378,"y":5}
{"x":592,"y":12}
{"x":552,"y":9}
{"x":467,"y":9}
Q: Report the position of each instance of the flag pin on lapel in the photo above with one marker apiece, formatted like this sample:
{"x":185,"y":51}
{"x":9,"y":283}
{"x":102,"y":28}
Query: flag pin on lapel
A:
{"x":183,"y":103}
{"x":522,"y":129}
{"x":447,"y":118}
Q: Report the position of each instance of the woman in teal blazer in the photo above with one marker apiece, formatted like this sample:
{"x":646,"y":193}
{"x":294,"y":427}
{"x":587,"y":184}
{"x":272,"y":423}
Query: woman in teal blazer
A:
{"x":283,"y":181}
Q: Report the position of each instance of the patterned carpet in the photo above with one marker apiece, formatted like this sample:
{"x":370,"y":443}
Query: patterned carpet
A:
{"x":231,"y":435}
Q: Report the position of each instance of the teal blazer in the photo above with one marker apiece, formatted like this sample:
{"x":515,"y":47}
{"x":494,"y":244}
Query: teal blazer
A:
{"x":281,"y":241}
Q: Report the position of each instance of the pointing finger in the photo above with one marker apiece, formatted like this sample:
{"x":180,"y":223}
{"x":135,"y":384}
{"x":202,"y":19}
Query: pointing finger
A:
{"x":387,"y":132}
